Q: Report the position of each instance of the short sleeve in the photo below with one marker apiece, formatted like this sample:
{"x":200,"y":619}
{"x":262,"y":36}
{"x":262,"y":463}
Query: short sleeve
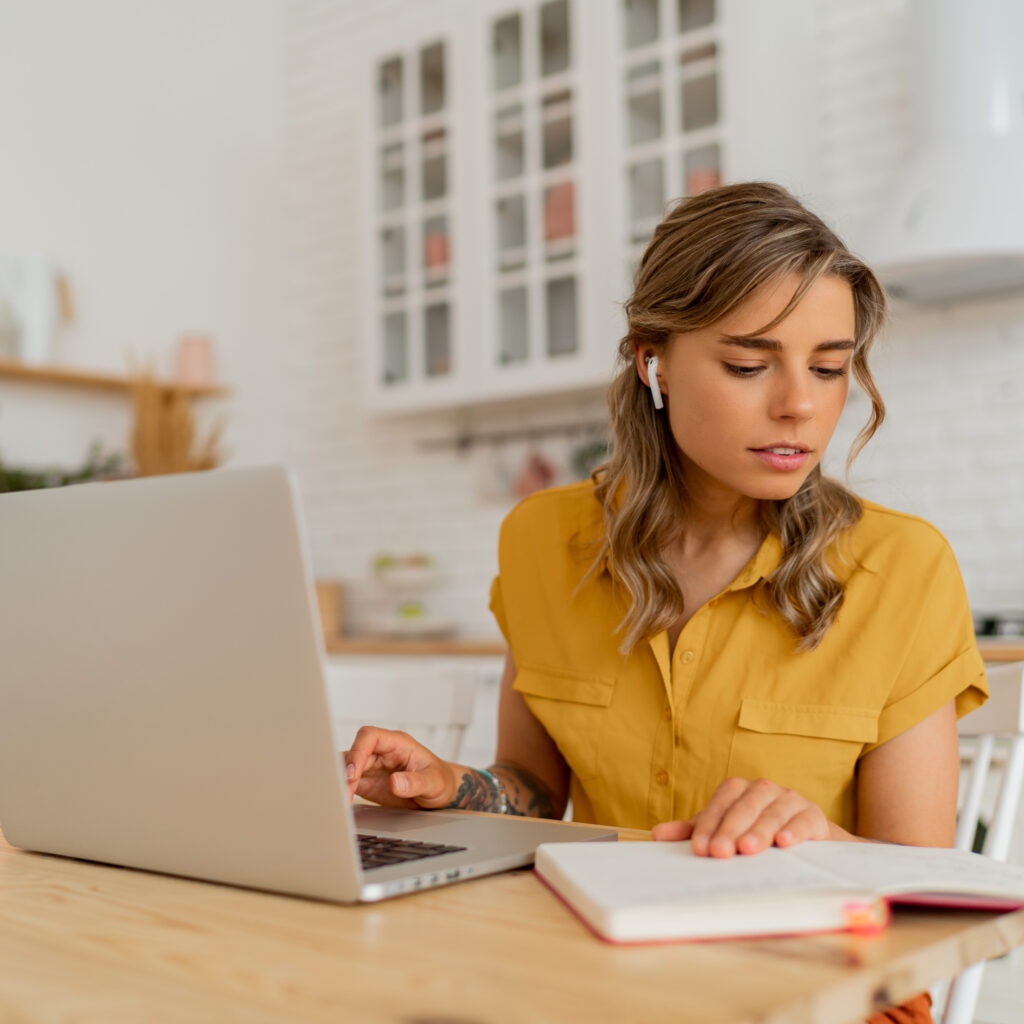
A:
{"x":547,"y":617}
{"x":505,"y":584}
{"x":497,"y":606}
{"x":941,"y":660}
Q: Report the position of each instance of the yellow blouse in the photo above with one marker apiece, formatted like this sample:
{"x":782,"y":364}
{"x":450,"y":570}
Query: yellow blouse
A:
{"x":648,"y":737}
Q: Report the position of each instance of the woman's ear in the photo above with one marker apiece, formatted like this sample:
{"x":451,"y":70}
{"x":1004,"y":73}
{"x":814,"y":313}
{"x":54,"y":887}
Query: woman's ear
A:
{"x":647,"y":368}
{"x":642,"y":355}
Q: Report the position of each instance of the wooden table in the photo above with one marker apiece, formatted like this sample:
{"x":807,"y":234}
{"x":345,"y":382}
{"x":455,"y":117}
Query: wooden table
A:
{"x":88,"y":943}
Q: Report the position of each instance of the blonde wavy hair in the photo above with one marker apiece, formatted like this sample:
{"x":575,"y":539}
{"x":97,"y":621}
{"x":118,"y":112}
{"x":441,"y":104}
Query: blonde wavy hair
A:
{"x":706,"y":257}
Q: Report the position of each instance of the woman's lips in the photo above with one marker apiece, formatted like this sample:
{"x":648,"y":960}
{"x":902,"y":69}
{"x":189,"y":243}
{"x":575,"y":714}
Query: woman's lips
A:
{"x":782,"y":456}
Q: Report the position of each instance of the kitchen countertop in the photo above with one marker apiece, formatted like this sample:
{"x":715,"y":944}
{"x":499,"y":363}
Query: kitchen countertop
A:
{"x":994,"y":649}
{"x":991,"y":648}
{"x":383,"y":645}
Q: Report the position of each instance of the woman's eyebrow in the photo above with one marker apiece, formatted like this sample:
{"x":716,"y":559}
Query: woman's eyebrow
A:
{"x":772,"y":345}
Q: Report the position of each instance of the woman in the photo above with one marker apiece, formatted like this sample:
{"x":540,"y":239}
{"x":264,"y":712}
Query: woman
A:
{"x":712,"y":638}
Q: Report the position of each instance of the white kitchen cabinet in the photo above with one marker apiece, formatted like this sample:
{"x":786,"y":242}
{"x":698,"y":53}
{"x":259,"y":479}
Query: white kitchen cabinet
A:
{"x":416,"y":221}
{"x":520,"y":156}
{"x":544,"y":231}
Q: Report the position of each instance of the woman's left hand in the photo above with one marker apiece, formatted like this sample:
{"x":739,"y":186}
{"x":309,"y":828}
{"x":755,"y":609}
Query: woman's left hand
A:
{"x":745,"y":816}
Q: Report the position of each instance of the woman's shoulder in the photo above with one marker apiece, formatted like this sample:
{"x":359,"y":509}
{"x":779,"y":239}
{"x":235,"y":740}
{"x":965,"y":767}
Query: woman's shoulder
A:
{"x":883,"y":534}
{"x":555,"y":517}
{"x":569,"y":504}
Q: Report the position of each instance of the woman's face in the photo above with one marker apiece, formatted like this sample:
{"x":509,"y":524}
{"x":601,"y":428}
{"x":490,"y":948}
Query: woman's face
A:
{"x":753,"y":416}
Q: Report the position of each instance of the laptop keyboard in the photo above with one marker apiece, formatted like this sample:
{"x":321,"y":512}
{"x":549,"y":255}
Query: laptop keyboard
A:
{"x":380,"y":851}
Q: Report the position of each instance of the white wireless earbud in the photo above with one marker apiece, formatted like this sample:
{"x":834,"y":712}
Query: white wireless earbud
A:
{"x":652,"y":377}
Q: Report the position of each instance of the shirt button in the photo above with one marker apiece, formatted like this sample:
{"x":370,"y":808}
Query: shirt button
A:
{"x":687,"y":657}
{"x":661,"y":778}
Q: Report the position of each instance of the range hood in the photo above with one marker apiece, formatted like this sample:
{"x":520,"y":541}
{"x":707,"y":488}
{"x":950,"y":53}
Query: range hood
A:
{"x":952,"y":227}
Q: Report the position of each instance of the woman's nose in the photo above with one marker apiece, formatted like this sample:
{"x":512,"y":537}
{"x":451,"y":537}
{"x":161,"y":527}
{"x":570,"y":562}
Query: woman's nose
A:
{"x":792,"y":397}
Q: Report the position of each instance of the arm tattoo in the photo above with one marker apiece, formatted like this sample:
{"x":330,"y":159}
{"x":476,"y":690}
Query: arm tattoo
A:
{"x":475,"y":793}
{"x":525,"y":794}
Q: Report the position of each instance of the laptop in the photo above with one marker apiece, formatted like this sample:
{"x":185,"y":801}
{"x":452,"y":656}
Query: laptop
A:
{"x":163,"y":701}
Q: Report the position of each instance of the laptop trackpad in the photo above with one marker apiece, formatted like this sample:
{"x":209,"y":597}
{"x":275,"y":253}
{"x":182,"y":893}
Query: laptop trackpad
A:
{"x":395,"y":819}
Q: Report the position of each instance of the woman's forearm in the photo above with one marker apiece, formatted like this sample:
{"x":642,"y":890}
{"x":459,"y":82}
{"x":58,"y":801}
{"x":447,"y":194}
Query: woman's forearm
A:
{"x":503,"y":789}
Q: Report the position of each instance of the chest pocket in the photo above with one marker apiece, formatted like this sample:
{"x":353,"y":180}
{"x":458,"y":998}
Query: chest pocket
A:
{"x":573,"y":710}
{"x":811,"y":748}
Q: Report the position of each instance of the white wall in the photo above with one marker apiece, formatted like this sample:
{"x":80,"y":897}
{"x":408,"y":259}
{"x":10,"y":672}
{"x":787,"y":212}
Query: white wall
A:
{"x":139,"y":152}
{"x":952,"y":377}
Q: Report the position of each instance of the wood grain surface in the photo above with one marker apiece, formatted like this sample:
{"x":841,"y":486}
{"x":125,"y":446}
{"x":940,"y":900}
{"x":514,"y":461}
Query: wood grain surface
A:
{"x":89,"y":943}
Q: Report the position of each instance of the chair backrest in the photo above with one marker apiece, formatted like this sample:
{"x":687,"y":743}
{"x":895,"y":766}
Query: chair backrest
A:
{"x":992,"y":770}
{"x":432,"y":703}
{"x":992,"y":757}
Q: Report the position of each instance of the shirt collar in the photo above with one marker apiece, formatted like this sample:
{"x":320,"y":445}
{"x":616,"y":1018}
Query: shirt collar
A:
{"x":766,"y":560}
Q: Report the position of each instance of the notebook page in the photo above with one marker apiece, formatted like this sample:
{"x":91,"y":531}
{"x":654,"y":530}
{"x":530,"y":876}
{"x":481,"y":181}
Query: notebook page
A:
{"x":886,"y":868}
{"x":636,"y":874}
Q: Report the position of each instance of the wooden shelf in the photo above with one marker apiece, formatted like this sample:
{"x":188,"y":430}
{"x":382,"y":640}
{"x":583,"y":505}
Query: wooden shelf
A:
{"x":68,"y":377}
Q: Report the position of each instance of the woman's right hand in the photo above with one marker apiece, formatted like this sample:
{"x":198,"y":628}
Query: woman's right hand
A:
{"x":393,"y":769}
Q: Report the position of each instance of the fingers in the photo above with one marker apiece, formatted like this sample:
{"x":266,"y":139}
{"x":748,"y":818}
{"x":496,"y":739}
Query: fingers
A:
{"x":672,"y":831}
{"x":393,"y":769}
{"x":427,"y":787}
{"x":774,"y":822}
{"x":810,"y":823}
{"x":370,"y":743}
{"x":707,"y":824}
{"x":745,"y":816}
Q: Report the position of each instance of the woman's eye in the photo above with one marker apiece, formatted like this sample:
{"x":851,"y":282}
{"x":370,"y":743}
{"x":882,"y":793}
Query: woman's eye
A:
{"x":824,"y":372}
{"x":742,"y":371}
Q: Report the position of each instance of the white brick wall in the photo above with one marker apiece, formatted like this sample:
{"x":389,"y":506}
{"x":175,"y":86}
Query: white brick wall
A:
{"x":953,"y":379}
{"x":952,"y":448}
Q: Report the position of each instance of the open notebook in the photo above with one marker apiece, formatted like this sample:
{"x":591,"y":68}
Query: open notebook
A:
{"x":650,"y":892}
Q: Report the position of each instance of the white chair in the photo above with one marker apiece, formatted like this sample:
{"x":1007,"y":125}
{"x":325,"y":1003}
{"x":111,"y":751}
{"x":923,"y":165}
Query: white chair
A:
{"x":992,"y":777}
{"x":432,"y":703}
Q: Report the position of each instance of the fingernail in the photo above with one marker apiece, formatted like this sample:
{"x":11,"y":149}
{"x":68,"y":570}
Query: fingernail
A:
{"x":400,"y":784}
{"x":350,"y":772}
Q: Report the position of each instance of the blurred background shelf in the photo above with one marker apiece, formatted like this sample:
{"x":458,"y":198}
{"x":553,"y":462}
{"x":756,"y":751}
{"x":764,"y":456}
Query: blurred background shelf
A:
{"x":375,"y":645}
{"x":993,"y":649}
{"x":68,"y":377}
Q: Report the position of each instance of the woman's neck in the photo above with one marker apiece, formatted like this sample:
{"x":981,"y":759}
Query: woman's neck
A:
{"x":719,"y":520}
{"x":716,"y":540}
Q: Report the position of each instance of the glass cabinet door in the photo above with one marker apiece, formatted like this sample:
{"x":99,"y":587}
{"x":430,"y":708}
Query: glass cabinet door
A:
{"x":414,"y":209}
{"x":671,"y":105}
{"x":532,"y":116}
{"x":522,"y":153}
